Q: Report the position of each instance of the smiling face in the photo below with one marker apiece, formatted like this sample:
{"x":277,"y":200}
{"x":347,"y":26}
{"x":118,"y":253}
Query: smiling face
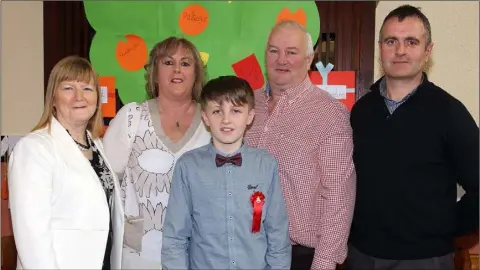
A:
{"x":227,"y":123}
{"x":176,"y":74}
{"x":75,"y":102}
{"x":286,"y":57}
{"x":403,"y":48}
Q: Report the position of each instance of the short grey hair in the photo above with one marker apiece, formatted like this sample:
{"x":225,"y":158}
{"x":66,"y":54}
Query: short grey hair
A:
{"x":296,"y":25}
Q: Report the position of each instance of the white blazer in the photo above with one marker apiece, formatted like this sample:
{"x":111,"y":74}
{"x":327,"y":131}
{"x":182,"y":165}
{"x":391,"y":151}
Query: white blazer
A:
{"x":59,"y":211}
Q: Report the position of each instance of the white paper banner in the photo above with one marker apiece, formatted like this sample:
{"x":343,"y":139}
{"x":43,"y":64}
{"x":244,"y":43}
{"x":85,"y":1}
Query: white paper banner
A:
{"x":336,"y":91}
{"x":104,"y":92}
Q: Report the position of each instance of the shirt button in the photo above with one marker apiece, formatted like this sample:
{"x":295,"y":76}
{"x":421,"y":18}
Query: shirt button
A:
{"x":230,"y":217}
{"x":229,"y":171}
{"x":233,"y":262}
{"x":230,"y":194}
{"x":231,"y":238}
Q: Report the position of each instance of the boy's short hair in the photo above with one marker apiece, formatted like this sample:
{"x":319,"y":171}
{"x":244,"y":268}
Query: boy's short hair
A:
{"x":228,"y":88}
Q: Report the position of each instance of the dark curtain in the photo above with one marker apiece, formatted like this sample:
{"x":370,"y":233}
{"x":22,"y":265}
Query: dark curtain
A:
{"x":66,"y":31}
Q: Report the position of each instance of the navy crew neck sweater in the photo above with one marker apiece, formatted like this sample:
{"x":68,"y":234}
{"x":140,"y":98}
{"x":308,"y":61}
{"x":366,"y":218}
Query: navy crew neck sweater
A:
{"x":408,"y":164}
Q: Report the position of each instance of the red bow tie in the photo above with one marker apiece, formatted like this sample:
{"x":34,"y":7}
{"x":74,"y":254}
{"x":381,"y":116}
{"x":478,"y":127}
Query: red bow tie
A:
{"x":235,"y":160}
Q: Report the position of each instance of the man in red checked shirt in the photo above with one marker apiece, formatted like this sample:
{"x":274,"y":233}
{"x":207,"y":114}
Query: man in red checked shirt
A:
{"x":309,"y":133}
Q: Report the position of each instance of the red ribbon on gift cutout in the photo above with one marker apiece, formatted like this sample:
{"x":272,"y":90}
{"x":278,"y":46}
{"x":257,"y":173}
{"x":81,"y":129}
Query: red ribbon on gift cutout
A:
{"x":257,"y":199}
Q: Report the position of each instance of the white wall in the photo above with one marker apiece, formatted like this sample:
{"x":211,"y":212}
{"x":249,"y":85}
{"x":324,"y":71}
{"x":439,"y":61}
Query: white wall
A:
{"x":21,"y":66}
{"x":455,"y":34}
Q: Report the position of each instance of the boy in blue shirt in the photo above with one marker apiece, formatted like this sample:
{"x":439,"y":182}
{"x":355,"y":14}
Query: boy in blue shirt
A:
{"x":226,"y":209}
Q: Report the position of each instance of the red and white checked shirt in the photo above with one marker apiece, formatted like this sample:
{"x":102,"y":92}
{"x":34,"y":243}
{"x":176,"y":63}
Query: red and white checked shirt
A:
{"x":309,"y":134}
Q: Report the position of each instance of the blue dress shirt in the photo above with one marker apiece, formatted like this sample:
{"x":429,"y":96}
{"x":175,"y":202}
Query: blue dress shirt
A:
{"x":208,"y":221}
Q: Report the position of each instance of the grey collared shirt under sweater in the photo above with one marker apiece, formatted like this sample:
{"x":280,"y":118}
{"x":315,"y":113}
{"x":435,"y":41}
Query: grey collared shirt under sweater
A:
{"x":392,"y":105}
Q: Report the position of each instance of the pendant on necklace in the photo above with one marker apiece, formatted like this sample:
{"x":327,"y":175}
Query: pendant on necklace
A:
{"x":177,"y":124}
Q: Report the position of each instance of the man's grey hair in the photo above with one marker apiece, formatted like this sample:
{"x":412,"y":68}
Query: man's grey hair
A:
{"x":296,"y":25}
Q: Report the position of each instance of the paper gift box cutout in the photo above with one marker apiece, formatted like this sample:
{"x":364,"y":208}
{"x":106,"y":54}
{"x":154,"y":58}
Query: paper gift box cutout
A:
{"x":6,"y":218}
{"x":109,"y":102}
{"x":103,"y":131}
{"x":340,"y":84}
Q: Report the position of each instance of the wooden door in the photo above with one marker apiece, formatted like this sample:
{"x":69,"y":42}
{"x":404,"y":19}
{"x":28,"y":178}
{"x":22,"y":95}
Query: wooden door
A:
{"x":347,"y":39}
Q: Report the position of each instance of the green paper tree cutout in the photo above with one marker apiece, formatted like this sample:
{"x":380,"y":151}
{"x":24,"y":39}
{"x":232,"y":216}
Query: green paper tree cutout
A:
{"x":228,"y":32}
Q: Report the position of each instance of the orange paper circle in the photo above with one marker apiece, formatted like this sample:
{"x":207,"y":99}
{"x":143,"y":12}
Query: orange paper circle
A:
{"x":193,"y":19}
{"x":298,"y":16}
{"x":132,"y":54}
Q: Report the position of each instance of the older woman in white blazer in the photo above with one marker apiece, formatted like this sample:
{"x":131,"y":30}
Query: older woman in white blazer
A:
{"x":65,"y":201}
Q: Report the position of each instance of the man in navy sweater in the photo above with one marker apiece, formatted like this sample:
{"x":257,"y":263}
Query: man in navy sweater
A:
{"x":413,"y":142}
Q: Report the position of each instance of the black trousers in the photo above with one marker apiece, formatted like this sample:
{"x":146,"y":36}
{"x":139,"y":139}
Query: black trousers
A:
{"x":356,"y":260}
{"x":302,"y":257}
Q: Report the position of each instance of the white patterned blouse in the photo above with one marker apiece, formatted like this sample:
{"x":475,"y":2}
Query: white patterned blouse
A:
{"x":139,"y":150}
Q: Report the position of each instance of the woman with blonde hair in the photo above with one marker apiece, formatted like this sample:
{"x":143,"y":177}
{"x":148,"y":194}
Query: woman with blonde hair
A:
{"x":144,"y":141}
{"x":65,"y":201}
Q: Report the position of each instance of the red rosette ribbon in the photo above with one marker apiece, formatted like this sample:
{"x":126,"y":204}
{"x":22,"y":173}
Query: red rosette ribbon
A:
{"x":257,"y":199}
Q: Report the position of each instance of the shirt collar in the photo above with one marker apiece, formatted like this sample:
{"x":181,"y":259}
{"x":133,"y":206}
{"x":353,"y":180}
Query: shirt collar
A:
{"x":294,"y":91}
{"x":383,"y":89}
{"x":214,"y":151}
